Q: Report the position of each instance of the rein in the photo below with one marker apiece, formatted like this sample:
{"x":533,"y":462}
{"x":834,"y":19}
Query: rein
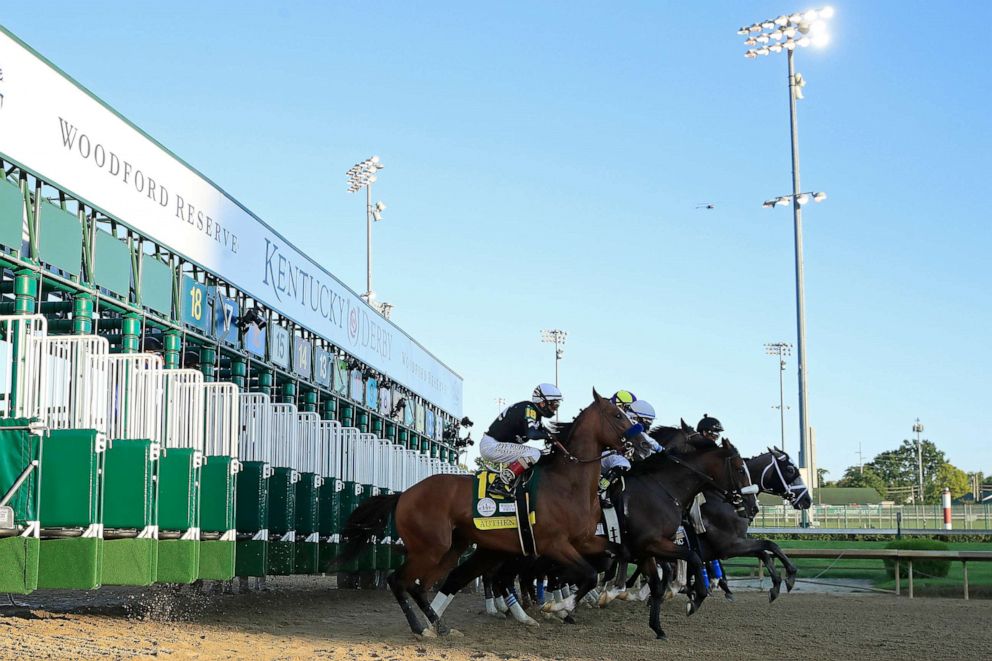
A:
{"x":732,"y":496}
{"x":634,"y":430}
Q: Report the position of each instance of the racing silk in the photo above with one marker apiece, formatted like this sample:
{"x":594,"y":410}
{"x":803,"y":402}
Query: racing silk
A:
{"x":518,"y":424}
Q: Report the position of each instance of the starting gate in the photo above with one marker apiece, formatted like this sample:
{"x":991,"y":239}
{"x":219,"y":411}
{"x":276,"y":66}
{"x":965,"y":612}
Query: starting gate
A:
{"x":23,"y":376}
{"x":221,"y":408}
{"x":72,"y":462}
{"x":331,"y":491}
{"x":282,"y":489}
{"x":309,"y":463}
{"x":134,"y":426}
{"x":180,"y":473}
{"x":252,"y":511}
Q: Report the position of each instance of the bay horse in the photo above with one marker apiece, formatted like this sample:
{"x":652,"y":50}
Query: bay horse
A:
{"x":434,"y":517}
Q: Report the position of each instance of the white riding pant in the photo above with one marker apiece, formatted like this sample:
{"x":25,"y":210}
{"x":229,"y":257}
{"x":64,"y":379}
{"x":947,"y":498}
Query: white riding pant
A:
{"x":505,"y":453}
{"x":613,"y":460}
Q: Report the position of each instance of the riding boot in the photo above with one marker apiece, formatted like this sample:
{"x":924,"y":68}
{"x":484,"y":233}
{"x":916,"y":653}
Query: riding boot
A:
{"x":504,"y":486}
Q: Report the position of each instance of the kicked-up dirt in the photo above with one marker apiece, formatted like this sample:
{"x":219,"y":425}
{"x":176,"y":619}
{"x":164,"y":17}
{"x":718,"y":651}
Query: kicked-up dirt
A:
{"x":303,"y":618}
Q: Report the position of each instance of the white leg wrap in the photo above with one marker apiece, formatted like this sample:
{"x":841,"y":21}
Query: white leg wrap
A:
{"x":501,"y":605}
{"x":491,"y":606}
{"x":441,"y":602}
{"x":520,"y":616}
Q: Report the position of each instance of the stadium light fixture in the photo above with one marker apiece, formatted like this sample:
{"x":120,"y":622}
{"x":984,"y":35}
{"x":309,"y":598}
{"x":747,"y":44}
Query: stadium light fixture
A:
{"x":363,"y":175}
{"x":800,"y":29}
{"x":780,"y":349}
{"x":556,"y":337}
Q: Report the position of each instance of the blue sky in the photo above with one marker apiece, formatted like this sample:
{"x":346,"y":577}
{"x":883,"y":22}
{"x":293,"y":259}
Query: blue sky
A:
{"x":544,"y":162}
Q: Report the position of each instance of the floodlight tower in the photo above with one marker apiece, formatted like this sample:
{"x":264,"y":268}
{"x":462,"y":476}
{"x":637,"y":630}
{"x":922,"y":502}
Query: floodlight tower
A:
{"x":363,"y":175}
{"x":918,"y":428}
{"x":780,"y":349}
{"x":556,"y":337}
{"x":786,"y":33}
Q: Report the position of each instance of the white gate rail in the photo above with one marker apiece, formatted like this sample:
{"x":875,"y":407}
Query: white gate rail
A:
{"x":330,"y":440}
{"x":309,"y":449}
{"x":25,"y":384}
{"x":78,"y":382}
{"x":285,"y":437}
{"x":136,"y":386}
{"x":183,"y":409}
{"x":255,"y":424}
{"x":221,"y":409}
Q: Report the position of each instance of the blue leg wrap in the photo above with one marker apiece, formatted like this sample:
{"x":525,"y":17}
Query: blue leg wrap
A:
{"x":540,"y":592}
{"x":717,"y":570}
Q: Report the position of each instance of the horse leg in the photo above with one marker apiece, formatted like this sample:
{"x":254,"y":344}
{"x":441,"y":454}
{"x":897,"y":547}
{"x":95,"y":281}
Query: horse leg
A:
{"x":429,"y":572}
{"x":487,"y":586}
{"x":769,"y":563}
{"x":478,"y":564}
{"x":790,"y":568}
{"x":577,"y":567}
{"x":657,"y":584}
{"x":395,"y":583}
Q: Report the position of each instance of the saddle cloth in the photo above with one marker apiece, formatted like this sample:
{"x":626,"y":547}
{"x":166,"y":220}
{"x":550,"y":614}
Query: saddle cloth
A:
{"x":500,"y":513}
{"x":696,"y":516}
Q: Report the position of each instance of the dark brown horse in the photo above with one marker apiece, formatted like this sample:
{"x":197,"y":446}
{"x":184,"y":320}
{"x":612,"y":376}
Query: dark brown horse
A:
{"x":435,"y":519}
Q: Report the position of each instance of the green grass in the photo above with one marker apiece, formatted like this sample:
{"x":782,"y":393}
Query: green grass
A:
{"x":979,"y":573}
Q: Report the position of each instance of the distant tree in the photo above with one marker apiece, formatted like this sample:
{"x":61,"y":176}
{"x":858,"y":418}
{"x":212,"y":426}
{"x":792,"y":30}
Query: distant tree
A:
{"x":821,"y":477}
{"x":898,"y":468}
{"x":855,"y":476}
{"x":949,"y":476}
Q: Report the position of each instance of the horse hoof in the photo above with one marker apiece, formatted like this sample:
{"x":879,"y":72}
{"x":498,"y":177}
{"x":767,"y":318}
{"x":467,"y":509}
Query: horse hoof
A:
{"x":569,"y":619}
{"x":604,"y":599}
{"x":690,"y":608}
{"x":790,"y":582}
{"x":426,"y":633}
{"x":661,"y":636}
{"x":531,"y":622}
{"x":455,"y":633}
{"x":622,"y":596}
{"x":772,"y":595}
{"x":728,"y":596}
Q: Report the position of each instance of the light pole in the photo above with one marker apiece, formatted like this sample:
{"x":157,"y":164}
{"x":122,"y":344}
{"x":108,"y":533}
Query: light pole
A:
{"x":363,"y":175}
{"x":918,"y":428}
{"x":500,"y":405}
{"x":773,"y":36}
{"x":556,"y":337}
{"x":780,"y":349}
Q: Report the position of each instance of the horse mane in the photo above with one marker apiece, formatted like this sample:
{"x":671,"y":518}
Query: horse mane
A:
{"x":683,"y":445}
{"x":670,"y":438}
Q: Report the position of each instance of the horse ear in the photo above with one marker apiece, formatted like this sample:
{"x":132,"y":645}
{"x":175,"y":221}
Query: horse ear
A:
{"x":596,"y":397}
{"x":685,"y":427}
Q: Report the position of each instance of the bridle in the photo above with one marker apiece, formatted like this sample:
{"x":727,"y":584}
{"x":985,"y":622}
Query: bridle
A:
{"x":790,"y":491}
{"x":632,"y":431}
{"x":733,"y":496}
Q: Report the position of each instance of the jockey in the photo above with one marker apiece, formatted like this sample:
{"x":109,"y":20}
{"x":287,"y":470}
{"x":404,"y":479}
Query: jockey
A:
{"x":639,"y":411}
{"x":623,"y":399}
{"x":505,"y":441}
{"x":710,"y":428}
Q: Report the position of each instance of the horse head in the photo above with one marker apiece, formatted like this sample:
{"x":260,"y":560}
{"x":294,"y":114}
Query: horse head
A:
{"x":775,"y":473}
{"x":722,"y":463}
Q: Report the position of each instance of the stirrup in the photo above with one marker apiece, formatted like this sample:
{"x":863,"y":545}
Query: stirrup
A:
{"x":499,"y":489}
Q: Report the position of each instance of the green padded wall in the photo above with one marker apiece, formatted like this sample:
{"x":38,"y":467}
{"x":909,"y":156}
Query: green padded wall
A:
{"x":11,"y":215}
{"x":61,"y":242}
{"x":156,"y":284}
{"x":112,"y":266}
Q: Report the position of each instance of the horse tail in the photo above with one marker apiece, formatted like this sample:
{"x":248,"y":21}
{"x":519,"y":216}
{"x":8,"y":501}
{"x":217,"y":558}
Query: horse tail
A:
{"x":367,"y":521}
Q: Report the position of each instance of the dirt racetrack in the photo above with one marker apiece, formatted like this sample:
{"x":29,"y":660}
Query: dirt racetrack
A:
{"x":301,"y":618}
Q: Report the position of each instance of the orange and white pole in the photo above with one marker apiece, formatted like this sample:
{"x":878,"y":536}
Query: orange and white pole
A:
{"x":946,"y":499}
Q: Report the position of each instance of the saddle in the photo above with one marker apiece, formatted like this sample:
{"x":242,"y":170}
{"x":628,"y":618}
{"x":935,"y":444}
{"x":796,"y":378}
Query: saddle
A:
{"x":493,"y":512}
{"x":613,"y":504}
